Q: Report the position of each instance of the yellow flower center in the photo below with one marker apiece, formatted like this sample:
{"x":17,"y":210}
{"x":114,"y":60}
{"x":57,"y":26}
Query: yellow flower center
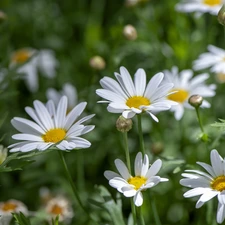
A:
{"x":212,"y":2}
{"x":54,"y":135}
{"x":137,"y":181}
{"x":56,"y":209}
{"x":137,"y":101}
{"x":21,"y":56}
{"x":220,"y":77}
{"x":9,"y":206}
{"x":218,"y":183}
{"x":180,"y":96}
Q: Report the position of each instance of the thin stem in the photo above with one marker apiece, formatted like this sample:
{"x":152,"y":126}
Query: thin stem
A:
{"x":140,"y":133}
{"x":199,"y":119}
{"x":155,"y":212}
{"x":127,"y":151}
{"x":133,"y":210}
{"x":75,"y":192}
{"x":140,"y":216}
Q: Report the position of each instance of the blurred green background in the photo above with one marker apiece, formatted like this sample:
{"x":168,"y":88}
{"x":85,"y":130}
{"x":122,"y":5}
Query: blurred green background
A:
{"x":77,"y":30}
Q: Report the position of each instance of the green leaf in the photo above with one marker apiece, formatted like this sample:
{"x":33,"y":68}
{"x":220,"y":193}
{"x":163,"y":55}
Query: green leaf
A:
{"x":220,"y":124}
{"x":107,"y":203}
{"x":21,"y":219}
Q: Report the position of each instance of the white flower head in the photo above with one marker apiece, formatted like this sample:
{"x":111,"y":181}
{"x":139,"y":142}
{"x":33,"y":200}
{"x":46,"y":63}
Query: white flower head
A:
{"x":52,"y":126}
{"x":200,"y":6}
{"x":207,"y":184}
{"x":134,"y":97}
{"x":3,"y":153}
{"x":214,"y":60}
{"x":185,"y":85}
{"x":29,"y":61}
{"x":132,"y":186}
{"x":9,"y":207}
{"x":68,"y":90}
{"x":61,"y":206}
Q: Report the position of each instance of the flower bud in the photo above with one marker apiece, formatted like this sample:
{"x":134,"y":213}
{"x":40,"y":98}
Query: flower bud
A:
{"x":3,"y":154}
{"x":97,"y":62}
{"x":157,"y":148}
{"x":130,"y":32}
{"x":195,"y":100}
{"x":3,"y":16}
{"x":221,"y":15}
{"x":123,"y":124}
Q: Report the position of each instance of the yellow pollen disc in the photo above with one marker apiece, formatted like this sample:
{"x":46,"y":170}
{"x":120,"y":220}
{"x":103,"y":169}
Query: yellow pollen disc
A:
{"x":56,"y":210}
{"x":137,"y":181}
{"x":137,"y":101}
{"x":212,"y":2}
{"x":218,"y":183}
{"x":9,"y":206}
{"x":21,"y":56}
{"x":54,"y":135}
{"x":179,"y":96}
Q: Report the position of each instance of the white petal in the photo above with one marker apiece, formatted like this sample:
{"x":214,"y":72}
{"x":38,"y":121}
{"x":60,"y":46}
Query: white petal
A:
{"x":209,"y":194}
{"x":138,"y":199}
{"x":195,"y":192}
{"x":140,"y":82}
{"x":110,"y":174}
{"x":128,"y":114}
{"x":217,"y":162}
{"x":138,"y":164}
{"x":128,"y":191}
{"x":220,"y":213}
{"x":122,"y":169}
{"x":154,"y":169}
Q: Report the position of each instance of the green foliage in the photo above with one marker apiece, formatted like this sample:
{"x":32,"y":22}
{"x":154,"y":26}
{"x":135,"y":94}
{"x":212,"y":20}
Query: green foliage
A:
{"x":21,"y":219}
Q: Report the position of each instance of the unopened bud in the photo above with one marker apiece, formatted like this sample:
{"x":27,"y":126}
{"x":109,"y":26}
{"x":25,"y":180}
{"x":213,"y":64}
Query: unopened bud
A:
{"x":3,"y":16}
{"x":3,"y":154}
{"x":221,"y":15}
{"x":97,"y":62}
{"x":130,"y":32}
{"x":195,"y":100}
{"x":123,"y":124}
{"x":157,"y":148}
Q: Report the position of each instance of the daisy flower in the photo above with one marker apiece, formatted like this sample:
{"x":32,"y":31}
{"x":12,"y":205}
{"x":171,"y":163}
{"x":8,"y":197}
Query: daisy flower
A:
{"x":185,"y":85}
{"x":68,"y":90}
{"x":209,"y":184}
{"x":132,"y":186}
{"x":61,"y":206}
{"x":29,"y":61}
{"x":52,"y":126}
{"x":200,"y":6}
{"x":9,"y":207}
{"x":214,"y":59}
{"x":130,"y":98}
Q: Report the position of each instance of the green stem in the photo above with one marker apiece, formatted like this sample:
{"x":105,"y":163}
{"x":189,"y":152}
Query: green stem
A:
{"x":133,"y":211}
{"x":75,"y":192}
{"x":155,"y":211}
{"x":140,"y":134}
{"x":199,"y":119}
{"x":140,"y":216}
{"x":127,"y":151}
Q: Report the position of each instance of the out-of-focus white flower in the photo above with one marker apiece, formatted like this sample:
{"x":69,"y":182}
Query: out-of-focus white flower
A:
{"x":52,"y":126}
{"x":185,"y":85}
{"x":200,"y":6}
{"x":3,"y":154}
{"x":145,"y":177}
{"x":134,"y":97}
{"x":9,"y":207}
{"x":60,"y":206}
{"x":209,"y":184}
{"x":29,"y":61}
{"x":68,"y":90}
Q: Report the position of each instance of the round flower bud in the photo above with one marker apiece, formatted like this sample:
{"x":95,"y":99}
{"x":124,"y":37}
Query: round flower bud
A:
{"x":195,"y":100}
{"x":3,"y":16}
{"x":123,"y":124}
{"x":157,"y":148}
{"x":221,"y":15}
{"x":130,"y":32}
{"x":97,"y":62}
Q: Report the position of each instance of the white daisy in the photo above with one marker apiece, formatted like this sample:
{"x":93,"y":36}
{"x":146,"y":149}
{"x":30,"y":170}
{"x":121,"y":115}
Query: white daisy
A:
{"x":144,"y":178}
{"x":61,"y":206}
{"x":200,"y":6}
{"x":214,"y":59}
{"x":209,"y":184}
{"x":52,"y":126}
{"x":9,"y":207}
{"x":28,"y":61}
{"x":68,"y":90}
{"x":130,"y":98}
{"x":185,"y":85}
